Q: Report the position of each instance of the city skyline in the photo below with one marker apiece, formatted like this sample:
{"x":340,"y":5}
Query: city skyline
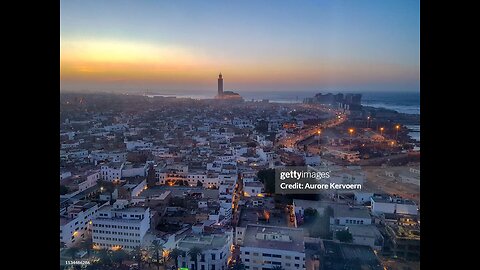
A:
{"x":258,"y":46}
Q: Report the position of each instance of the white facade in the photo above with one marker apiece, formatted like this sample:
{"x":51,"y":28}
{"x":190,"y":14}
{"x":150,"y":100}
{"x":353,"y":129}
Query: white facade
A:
{"x":264,"y":247}
{"x":120,"y":226}
{"x":116,"y":156}
{"x":215,"y":251}
{"x":76,"y":225}
{"x":110,"y":172}
{"x":90,"y":180}
{"x":389,"y":205}
{"x":131,"y":145}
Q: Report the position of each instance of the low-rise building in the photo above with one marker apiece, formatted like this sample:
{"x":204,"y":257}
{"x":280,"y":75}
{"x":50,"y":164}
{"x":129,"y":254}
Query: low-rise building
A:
{"x":264,"y":247}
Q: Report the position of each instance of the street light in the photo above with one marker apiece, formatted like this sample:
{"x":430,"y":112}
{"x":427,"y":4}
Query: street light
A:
{"x":397,"y":127}
{"x":318,"y":141}
{"x":368,"y":121}
{"x":350,"y":130}
{"x":381,"y":130}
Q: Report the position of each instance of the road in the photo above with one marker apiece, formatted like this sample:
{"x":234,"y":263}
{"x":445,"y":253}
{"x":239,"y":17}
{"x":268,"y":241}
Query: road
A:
{"x":336,"y":118}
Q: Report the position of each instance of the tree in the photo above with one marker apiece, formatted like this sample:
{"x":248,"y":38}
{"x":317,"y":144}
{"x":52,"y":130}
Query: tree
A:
{"x":267,"y":177}
{"x":63,"y":190}
{"x":151,"y":177}
{"x":199,"y":184}
{"x":175,"y":253}
{"x":105,"y":257}
{"x":157,"y":249}
{"x":193,"y":253}
{"x":119,"y":256}
{"x":344,"y":236}
{"x":262,"y":126}
{"x":137,"y":254}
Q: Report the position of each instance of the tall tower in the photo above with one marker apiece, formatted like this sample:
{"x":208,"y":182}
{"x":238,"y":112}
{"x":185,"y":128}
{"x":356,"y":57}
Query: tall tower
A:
{"x":220,"y":85}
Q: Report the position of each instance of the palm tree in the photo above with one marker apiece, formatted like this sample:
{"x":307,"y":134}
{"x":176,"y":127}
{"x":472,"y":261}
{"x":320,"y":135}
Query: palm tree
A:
{"x":193,"y":253}
{"x":174,"y":254}
{"x":277,"y":267}
{"x":157,"y":249}
{"x":138,"y":256}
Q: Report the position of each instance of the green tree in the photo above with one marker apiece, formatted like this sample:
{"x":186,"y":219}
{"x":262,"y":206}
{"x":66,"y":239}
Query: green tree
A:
{"x":137,"y":255}
{"x":267,"y":177}
{"x":199,"y":184}
{"x":193,"y":253}
{"x":157,"y":250}
{"x":63,"y":190}
{"x":175,"y":253}
{"x":151,"y":177}
{"x":119,"y":256}
{"x":344,"y":236}
{"x":105,"y":257}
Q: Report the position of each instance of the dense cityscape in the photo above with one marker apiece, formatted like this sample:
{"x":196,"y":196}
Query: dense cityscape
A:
{"x":152,"y":182}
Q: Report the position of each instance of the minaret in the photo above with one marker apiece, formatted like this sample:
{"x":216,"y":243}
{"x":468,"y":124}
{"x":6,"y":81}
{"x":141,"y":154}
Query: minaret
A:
{"x":220,"y":85}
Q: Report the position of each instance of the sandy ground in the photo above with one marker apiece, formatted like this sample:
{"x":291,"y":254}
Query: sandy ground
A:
{"x":377,"y":181}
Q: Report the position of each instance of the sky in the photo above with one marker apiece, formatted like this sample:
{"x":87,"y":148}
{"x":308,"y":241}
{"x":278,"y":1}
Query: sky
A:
{"x":258,"y":45}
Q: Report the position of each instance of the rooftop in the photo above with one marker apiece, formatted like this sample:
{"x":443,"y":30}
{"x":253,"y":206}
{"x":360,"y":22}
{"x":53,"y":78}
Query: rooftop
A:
{"x":295,"y":238}
{"x":203,"y":242}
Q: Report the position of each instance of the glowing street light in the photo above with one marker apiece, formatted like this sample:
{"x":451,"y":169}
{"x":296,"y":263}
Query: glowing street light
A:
{"x":381,"y":130}
{"x":397,"y":127}
{"x":368,"y":121}
{"x":351,"y":130}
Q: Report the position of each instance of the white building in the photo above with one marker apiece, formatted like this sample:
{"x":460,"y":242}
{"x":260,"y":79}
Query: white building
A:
{"x":131,"y":145}
{"x":132,"y":170}
{"x":264,"y":247}
{"x":344,"y":215}
{"x":253,"y":189}
{"x":383,"y":204}
{"x":111,"y":171}
{"x":215,"y":251}
{"x":113,"y":156}
{"x":120,"y":226}
{"x":75,"y":224}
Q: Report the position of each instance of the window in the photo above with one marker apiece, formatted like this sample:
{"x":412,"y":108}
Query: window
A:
{"x":266,"y":255}
{"x":247,"y":260}
{"x":213,"y":256}
{"x":297,"y":265}
{"x":276,"y":256}
{"x":297,"y":258}
{"x":247,"y":252}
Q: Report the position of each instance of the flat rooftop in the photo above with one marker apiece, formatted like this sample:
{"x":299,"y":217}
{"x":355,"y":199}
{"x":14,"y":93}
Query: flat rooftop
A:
{"x":203,"y":242}
{"x":295,"y":235}
{"x":389,"y":199}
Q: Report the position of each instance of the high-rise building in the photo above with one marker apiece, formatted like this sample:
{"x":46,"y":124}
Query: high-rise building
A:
{"x":220,"y":85}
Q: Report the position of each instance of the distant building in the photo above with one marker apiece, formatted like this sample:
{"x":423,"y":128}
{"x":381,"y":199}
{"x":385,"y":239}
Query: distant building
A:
{"x":226,"y":95}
